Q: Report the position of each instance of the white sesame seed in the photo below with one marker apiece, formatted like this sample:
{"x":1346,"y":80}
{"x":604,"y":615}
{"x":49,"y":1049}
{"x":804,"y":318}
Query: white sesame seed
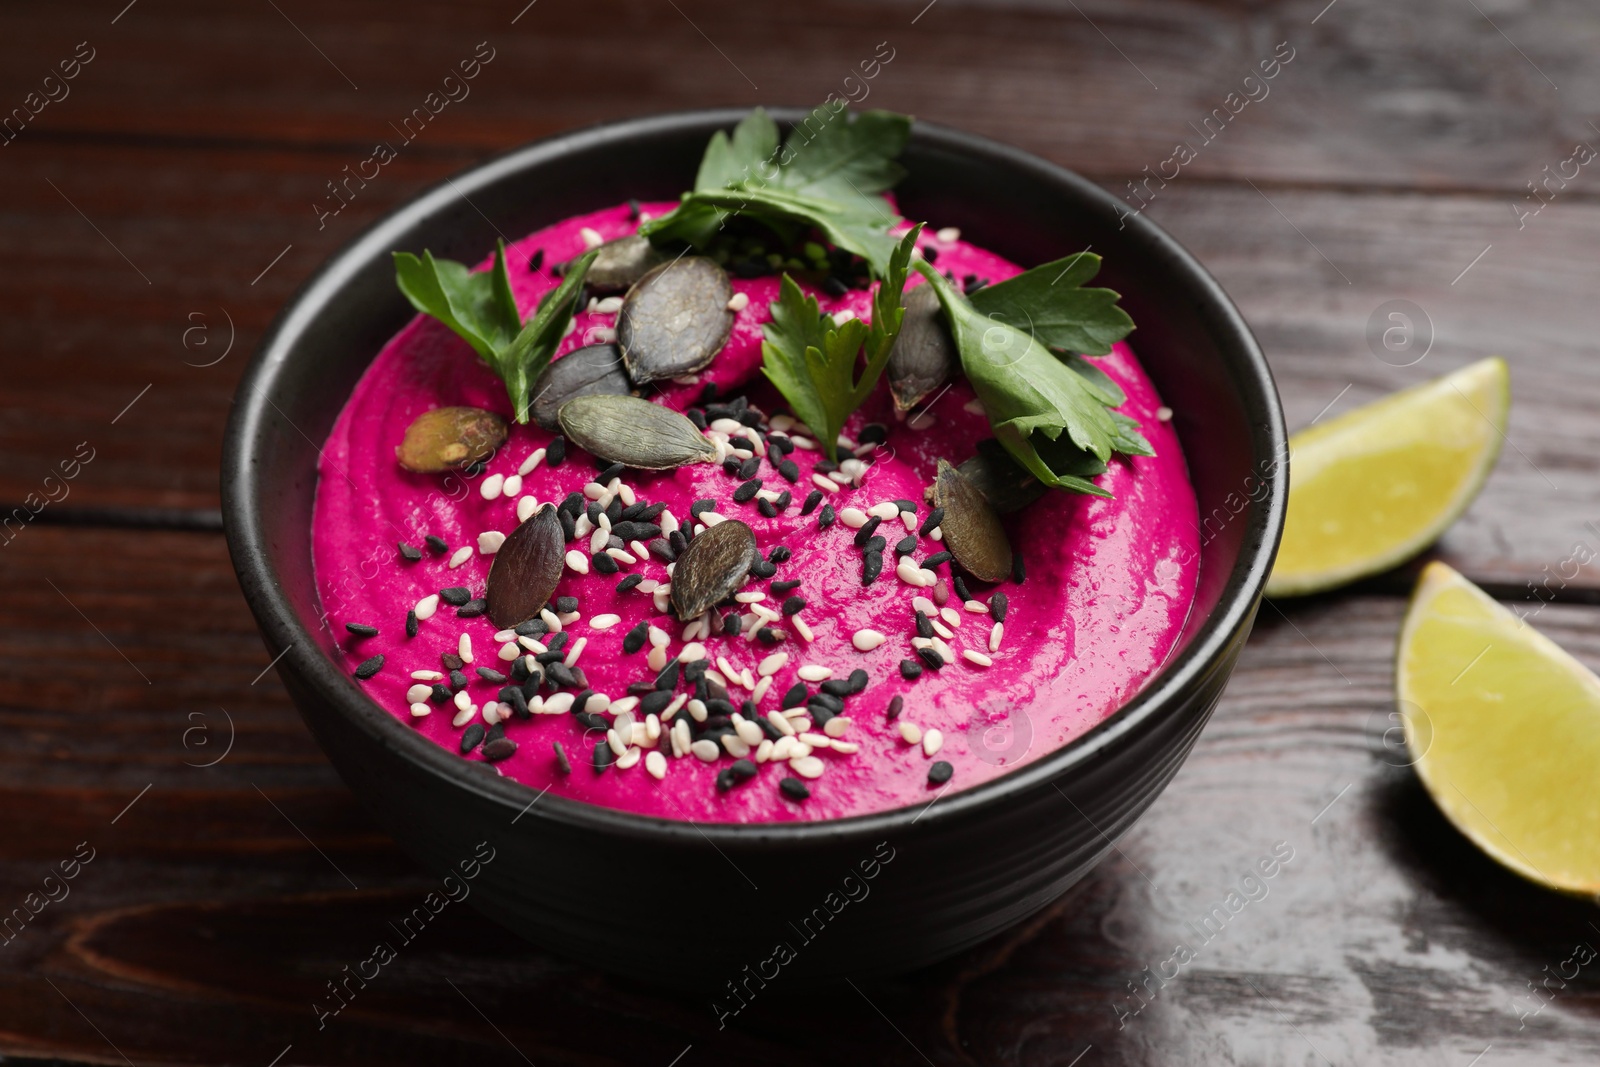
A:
{"x":1164,"y":413}
{"x":814,"y":672}
{"x":846,"y":748}
{"x":531,"y":462}
{"x":491,"y":712}
{"x":735,"y":745}
{"x":921,"y":421}
{"x":867,"y":639}
{"x":843,"y":316}
{"x":976,"y":657}
{"x":652,"y":727}
{"x":629,"y":758}
{"x":658,"y":637}
{"x":609,"y":305}
{"x":937,"y":533}
{"x":747,"y":679}
{"x":801,"y":628}
{"x":908,"y":571}
{"x":836,"y":726}
{"x":463,"y":554}
{"x":505,"y":635}
{"x":948,"y":235}
{"x":712,"y":518}
{"x":668,"y":522}
{"x":513,"y":486}
{"x":763,"y":612}
{"x":705,"y":749}
{"x":510,"y":651}
{"x":582,"y":527}
{"x":626,"y":495}
{"x":726,"y":668}
{"x":594,"y":491}
{"x":772,"y":664}
{"x":950,"y":615}
{"x":940,"y":628}
{"x":659,"y":597}
{"x":694,"y":650}
{"x":944,"y":650}
{"x":885,"y":510}
{"x":492,"y":487}
{"x":827,"y":485}
{"x":464,"y":715}
{"x":656,"y":659}
{"x":656,"y":764}
{"x":976,"y":607}
{"x":728,"y":426}
{"x":763,"y":751}
{"x":995,"y":633}
{"x":816,"y":740}
{"x":932,"y":742}
{"x":489,"y":542}
{"x":464,"y":648}
{"x":575,"y":651}
{"x":559,"y":703}
{"x":795,"y":713}
{"x":622,"y":705}
{"x":910,"y":732}
{"x":854,"y":518}
{"x":592,"y":238}
{"x":614,"y":739}
{"x":784,"y":726}
{"x":738,"y":302}
{"x":908,"y":519}
{"x":638,"y":549}
{"x":427,"y":676}
{"x":974,"y":407}
{"x":762,"y":686}
{"x":638,"y":735}
{"x":680,"y":738}
{"x":649,"y":585}
{"x":922,"y":642}
{"x":598,"y":540}
{"x":462,"y":700}
{"x":420,"y":710}
{"x":804,"y":444}
{"x":418,"y":692}
{"x":604,"y":622}
{"x":697,"y":709}
{"x":568,"y":617}
{"x":807,"y":766}
{"x":598,"y":702}
{"x":782,"y":748}
{"x":841,"y":477}
{"x":924,"y":605}
{"x":577,"y":561}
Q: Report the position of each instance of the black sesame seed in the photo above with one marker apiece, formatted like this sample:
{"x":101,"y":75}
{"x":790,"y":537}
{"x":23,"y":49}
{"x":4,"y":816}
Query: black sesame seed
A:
{"x":731,"y":624}
{"x":412,"y":625}
{"x":772,"y":732}
{"x":590,"y":721}
{"x":437,"y":544}
{"x":634,"y":530}
{"x":410,"y":553}
{"x":931,"y":657}
{"x":785,"y":498}
{"x":560,"y":675}
{"x":697,"y":417}
{"x":581,"y":701}
{"x":603,"y":563}
{"x":730,"y":466}
{"x":877,"y":545}
{"x":906,"y":506}
{"x":725,"y":780}
{"x":370,"y":667}
{"x":456,"y":595}
{"x":794,"y":789}
{"x":662,"y":549}
{"x":654,"y":703}
{"x":489,"y":674}
{"x":780,"y":588}
{"x":767,"y":508}
{"x":695,"y":670}
{"x":629,"y":582}
{"x":451,"y":661}
{"x":910,"y":670}
{"x":579,"y":679}
{"x":613,"y":471}
{"x":361,"y":629}
{"x":602,"y":757}
{"x":906,"y":545}
{"x":720,"y":706}
{"x":834,"y":286}
{"x":779,"y":554}
{"x":793,"y":605}
{"x":472,"y":737}
{"x":747,"y":490}
{"x":561,"y":757}
{"x":858,"y":680}
{"x":924,"y":625}
{"x":931,"y":254}
{"x":997,"y":606}
{"x":825,"y":519}
{"x":762,"y":569}
{"x":742,"y":770}
{"x":569,"y":525}
{"x":532,"y":628}
{"x":701,"y":506}
{"x":472,"y":608}
{"x":458,"y":681}
{"x":936,"y":559}
{"x":940,"y":772}
{"x":935,"y":517}
{"x":512,"y":695}
{"x":440,"y":694}
{"x":781,"y":445}
{"x":679,"y":541}
{"x":499,"y":749}
{"x":519,"y":670}
{"x":962,"y":593}
{"x":750,"y":467}
{"x":812,"y":500}
{"x":768,"y":635}
{"x":826,"y":466}
{"x":1018,"y":571}
{"x":558,"y":641}
{"x":796,"y":696}
{"x":837,"y":687}
{"x":871,"y":567}
{"x":825,"y":701}
{"x":572,"y":504}
{"x":873,"y":433}
{"x":536,"y":261}
{"x":668,"y":678}
{"x":868,"y":528}
{"x":789,"y":469}
{"x":593,"y":511}
{"x":555,"y":453}
{"x":893,"y":711}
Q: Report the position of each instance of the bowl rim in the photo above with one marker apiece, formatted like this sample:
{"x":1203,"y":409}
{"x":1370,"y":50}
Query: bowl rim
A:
{"x":288,"y":637}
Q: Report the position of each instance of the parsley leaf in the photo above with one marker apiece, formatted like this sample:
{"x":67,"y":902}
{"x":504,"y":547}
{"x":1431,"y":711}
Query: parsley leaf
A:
{"x":1054,"y":419}
{"x":828,"y":174}
{"x":812,"y":360}
{"x":479,"y":307}
{"x":1050,"y":302}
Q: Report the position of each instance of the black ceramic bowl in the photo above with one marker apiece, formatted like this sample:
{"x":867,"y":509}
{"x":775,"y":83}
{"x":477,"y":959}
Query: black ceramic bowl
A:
{"x":677,"y":901}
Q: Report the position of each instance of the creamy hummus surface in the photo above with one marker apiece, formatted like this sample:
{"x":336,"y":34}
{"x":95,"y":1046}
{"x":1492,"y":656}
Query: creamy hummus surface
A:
{"x":1105,"y":593}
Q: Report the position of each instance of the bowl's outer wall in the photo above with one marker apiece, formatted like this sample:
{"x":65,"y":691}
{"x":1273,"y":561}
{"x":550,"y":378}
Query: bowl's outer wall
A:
{"x":960,"y":871}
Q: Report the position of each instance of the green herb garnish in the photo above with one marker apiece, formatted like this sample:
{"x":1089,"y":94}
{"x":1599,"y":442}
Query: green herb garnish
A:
{"x":1050,"y":303}
{"x":828,"y":174}
{"x":478,"y":306}
{"x":1053,"y":414}
{"x":812,"y":360}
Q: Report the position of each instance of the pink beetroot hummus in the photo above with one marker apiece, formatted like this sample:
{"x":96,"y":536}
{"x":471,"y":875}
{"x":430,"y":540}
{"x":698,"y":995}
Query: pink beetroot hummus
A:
{"x":1107,"y":588}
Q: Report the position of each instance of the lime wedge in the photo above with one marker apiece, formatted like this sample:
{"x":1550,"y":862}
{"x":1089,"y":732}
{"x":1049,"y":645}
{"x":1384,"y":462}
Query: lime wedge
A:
{"x":1504,"y":729}
{"x":1373,"y":488}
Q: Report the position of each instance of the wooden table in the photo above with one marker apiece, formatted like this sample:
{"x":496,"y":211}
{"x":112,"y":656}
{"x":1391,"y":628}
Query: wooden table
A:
{"x":160,"y":210}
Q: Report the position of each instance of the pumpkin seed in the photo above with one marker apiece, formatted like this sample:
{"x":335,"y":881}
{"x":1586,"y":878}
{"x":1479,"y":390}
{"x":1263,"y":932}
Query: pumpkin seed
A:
{"x":586,"y":371}
{"x":619,"y":264}
{"x":713,"y":568}
{"x":972,"y":530}
{"x":675,"y":319}
{"x":1005,"y":483}
{"x":924,"y":355}
{"x":526,"y":569}
{"x":634,"y":432}
{"x":449,"y":438}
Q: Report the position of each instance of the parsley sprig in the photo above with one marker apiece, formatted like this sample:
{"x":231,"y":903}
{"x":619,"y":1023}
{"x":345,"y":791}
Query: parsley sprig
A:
{"x":829,"y":174}
{"x":812,"y":360}
{"x":479,"y":307}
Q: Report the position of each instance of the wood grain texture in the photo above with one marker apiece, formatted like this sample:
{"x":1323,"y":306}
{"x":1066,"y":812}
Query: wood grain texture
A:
{"x":221,"y":902}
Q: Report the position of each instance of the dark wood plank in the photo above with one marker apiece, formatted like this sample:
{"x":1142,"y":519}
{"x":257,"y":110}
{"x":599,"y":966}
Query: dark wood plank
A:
{"x":206,"y":927}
